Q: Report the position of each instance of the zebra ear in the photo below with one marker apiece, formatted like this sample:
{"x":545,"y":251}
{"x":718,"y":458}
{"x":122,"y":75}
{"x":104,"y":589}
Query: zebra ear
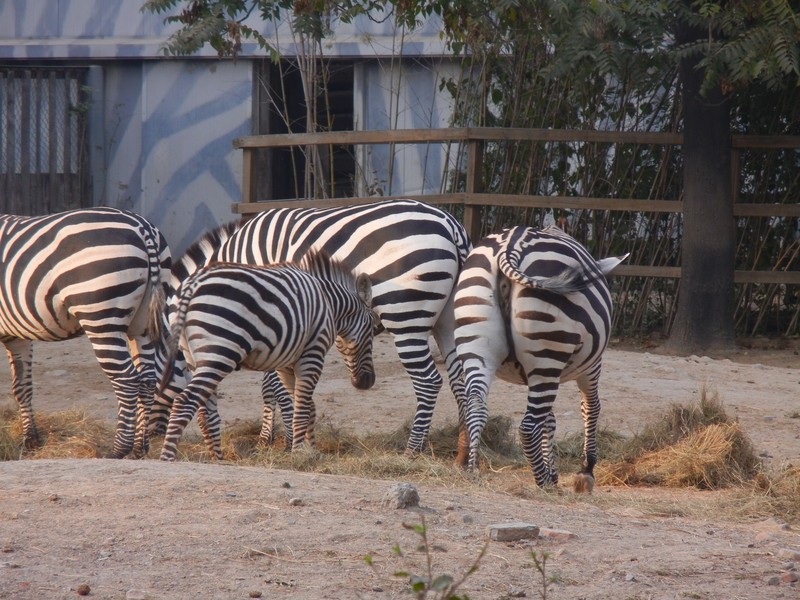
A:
{"x":364,"y":287}
{"x":609,"y":264}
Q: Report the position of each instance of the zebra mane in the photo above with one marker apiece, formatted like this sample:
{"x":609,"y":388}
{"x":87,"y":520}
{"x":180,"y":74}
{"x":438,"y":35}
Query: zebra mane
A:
{"x":320,"y":264}
{"x":201,"y":251}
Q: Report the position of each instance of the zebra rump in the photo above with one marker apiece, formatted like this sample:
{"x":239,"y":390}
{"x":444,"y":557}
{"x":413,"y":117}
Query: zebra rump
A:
{"x":282,"y":317}
{"x":97,"y":271}
{"x":412,"y":253}
{"x":532,"y":307}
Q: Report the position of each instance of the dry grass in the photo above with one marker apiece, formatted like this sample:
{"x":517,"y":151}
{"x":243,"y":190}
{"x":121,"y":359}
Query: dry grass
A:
{"x":695,"y":446}
{"x":659,"y":472}
{"x":67,"y":434}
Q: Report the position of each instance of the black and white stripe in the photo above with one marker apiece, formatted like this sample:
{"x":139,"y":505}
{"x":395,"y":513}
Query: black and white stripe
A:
{"x":281,"y":317}
{"x":96,"y":271}
{"x":533,"y":307}
{"x":412,"y":253}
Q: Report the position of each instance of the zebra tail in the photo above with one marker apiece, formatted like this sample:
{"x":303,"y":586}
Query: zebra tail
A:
{"x":571,"y":279}
{"x":172,"y":343}
{"x":157,"y":318}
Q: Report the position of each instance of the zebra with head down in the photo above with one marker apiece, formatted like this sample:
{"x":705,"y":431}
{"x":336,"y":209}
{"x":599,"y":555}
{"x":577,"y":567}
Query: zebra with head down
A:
{"x":412,"y":253}
{"x":96,"y":271}
{"x":283,"y":317}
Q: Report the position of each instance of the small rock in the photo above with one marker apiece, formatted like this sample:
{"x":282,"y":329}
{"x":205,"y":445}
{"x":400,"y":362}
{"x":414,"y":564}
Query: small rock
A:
{"x":286,"y":485}
{"x":296,"y":502}
{"x":254,"y":594}
{"x":790,"y":577}
{"x":557,"y":534}
{"x":83,"y":590}
{"x":774,"y":580}
{"x":509,"y":532}
{"x":788,"y":553}
{"x":516,"y":592}
{"x":402,"y":495}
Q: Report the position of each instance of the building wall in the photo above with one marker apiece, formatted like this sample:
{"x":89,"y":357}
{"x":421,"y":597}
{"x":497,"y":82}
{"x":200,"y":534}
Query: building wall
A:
{"x":166,"y":125}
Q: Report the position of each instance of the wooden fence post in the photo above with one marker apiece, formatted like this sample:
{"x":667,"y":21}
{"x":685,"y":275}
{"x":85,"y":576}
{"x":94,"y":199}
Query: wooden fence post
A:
{"x":474,"y":185}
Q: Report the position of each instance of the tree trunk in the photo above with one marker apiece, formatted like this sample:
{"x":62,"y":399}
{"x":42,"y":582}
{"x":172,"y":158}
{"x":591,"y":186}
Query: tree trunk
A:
{"x":705,"y":312}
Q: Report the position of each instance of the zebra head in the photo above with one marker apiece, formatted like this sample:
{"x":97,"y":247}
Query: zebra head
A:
{"x":355,"y":334}
{"x":351,"y":300}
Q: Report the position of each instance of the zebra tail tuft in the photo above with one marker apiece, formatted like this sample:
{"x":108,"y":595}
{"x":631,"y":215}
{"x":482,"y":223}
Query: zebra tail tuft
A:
{"x":156,"y":319}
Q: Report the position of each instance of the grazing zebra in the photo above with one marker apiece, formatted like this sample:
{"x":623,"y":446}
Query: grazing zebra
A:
{"x":412,"y":253}
{"x":97,"y":271}
{"x":533,"y":307}
{"x":280,"y":317}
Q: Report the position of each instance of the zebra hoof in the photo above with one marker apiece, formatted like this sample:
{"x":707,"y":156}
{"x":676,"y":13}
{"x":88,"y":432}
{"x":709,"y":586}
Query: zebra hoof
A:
{"x":583,"y":483}
{"x":32,"y":442}
{"x":409,"y":453}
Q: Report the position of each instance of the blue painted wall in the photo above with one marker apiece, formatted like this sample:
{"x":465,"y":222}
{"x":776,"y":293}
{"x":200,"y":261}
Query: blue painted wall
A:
{"x":165,"y":149}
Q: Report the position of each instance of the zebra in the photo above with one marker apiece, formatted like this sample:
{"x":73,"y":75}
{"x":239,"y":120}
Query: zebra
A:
{"x":97,"y":271}
{"x":412,"y":253}
{"x":281,"y":317}
{"x":534,"y":308}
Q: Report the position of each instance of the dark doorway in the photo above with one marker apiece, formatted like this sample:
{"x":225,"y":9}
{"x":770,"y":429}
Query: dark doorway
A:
{"x":280,"y":107}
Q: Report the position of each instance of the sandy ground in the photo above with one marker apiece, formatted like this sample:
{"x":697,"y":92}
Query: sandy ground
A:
{"x":146,"y":529}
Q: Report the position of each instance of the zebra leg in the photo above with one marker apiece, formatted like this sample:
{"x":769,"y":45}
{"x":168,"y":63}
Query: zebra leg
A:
{"x":210,"y":426}
{"x":183,"y":410}
{"x":274,"y":390}
{"x":477,"y":416}
{"x":114,"y":356}
{"x":444,"y":336}
{"x":590,"y":411}
{"x":533,"y":429}
{"x":479,"y":368}
{"x":20,"y":358}
{"x":415,"y":356}
{"x":142,"y":353}
{"x":306,"y":378}
{"x":167,"y":391}
{"x":548,"y":440}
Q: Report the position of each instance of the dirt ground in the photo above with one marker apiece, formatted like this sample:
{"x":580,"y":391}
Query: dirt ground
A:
{"x":146,"y":529}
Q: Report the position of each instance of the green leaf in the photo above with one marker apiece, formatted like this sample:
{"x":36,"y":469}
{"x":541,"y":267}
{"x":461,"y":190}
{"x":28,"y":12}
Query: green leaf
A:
{"x":441,"y":583}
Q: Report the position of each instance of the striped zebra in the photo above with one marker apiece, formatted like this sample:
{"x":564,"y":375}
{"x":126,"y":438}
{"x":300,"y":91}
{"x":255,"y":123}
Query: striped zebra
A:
{"x":534,"y":308}
{"x":97,"y":271}
{"x":279,"y":317}
{"x":412,"y":253}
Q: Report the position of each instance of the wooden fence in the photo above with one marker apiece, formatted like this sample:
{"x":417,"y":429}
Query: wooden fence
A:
{"x":474,"y":199}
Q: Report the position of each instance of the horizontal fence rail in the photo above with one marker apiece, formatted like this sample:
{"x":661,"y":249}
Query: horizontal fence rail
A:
{"x":474,"y":199}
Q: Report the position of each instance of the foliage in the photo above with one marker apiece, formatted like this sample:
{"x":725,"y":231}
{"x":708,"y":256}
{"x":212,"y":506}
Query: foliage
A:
{"x":430,"y":585}
{"x":226,"y":24}
{"x":540,"y":564}
{"x":575,"y":64}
